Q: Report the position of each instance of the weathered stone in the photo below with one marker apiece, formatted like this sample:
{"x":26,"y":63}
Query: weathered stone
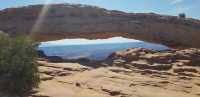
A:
{"x":45,"y":77}
{"x":119,"y":62}
{"x":159,"y":57}
{"x":125,"y":78}
{"x":158,"y":66}
{"x":185,"y":69}
{"x":141,"y":64}
{"x":112,"y":92}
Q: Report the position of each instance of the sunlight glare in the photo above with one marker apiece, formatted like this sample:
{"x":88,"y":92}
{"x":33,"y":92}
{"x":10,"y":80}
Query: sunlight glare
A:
{"x":43,"y":13}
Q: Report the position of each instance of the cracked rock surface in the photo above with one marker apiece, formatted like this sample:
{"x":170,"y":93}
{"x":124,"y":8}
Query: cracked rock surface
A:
{"x":129,"y":73}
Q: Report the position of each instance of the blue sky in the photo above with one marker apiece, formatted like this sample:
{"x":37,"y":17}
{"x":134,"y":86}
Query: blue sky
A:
{"x":168,"y":7}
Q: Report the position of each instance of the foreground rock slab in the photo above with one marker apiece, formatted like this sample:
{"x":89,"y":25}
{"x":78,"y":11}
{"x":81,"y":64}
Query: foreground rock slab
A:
{"x":129,"y":73}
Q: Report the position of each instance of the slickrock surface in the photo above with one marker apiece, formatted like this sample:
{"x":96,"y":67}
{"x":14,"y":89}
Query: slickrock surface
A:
{"x":82,"y":21}
{"x":129,"y":73}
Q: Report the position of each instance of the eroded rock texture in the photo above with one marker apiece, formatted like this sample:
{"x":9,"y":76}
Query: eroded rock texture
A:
{"x":75,"y":21}
{"x":129,"y":73}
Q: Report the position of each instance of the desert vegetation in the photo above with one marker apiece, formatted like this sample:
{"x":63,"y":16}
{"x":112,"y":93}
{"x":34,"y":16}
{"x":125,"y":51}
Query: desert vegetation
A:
{"x":18,"y":68}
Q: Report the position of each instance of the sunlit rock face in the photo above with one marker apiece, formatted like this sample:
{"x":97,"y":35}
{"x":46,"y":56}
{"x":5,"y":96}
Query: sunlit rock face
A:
{"x":134,"y":72}
{"x":60,"y":21}
{"x":98,"y":49}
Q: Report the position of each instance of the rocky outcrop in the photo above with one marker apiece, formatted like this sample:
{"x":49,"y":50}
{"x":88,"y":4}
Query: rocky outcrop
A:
{"x":75,"y":21}
{"x":187,"y":60}
{"x":130,"y":73}
{"x":50,"y":70}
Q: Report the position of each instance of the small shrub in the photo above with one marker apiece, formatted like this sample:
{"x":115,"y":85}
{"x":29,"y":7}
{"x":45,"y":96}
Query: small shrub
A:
{"x":18,"y":68}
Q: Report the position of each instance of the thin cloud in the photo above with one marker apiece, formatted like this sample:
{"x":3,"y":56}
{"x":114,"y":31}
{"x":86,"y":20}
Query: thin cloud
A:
{"x":173,"y":2}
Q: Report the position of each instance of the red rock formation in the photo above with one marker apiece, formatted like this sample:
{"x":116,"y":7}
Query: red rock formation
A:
{"x":72,"y":21}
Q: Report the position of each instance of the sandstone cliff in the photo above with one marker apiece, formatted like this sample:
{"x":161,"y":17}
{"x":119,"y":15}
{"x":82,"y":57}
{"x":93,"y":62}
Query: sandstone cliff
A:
{"x":72,"y":21}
